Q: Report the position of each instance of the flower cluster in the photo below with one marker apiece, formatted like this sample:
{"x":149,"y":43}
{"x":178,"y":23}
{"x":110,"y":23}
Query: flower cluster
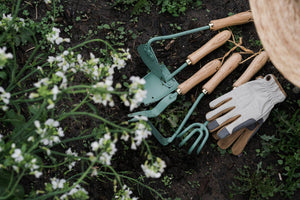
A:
{"x":141,"y":131}
{"x":4,"y":57}
{"x":76,"y":192}
{"x":106,"y":147}
{"x":101,"y":93}
{"x":7,"y":21}
{"x":49,"y":88}
{"x":4,"y":96}
{"x":75,"y":155}
{"x":154,"y":170}
{"x":57,"y":183}
{"x":53,"y":37}
{"x":136,"y":92}
{"x":19,"y":159}
{"x":50,"y":134}
{"x":124,"y":194}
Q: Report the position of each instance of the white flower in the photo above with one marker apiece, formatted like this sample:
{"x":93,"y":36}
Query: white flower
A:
{"x":5,"y":108}
{"x":57,"y":183}
{"x":55,"y":91}
{"x":124,"y":194}
{"x":4,"y":56}
{"x":44,"y":81}
{"x":95,"y":145}
{"x":47,"y":1}
{"x":155,"y":170}
{"x":64,"y":79}
{"x":33,"y":95}
{"x":73,"y":191}
{"x":30,"y":139}
{"x":141,"y":132}
{"x":37,"y":174}
{"x":51,"y":123}
{"x":51,"y":104}
{"x":53,"y":37}
{"x":4,"y":96}
{"x":17,"y":155}
{"x":60,"y":132}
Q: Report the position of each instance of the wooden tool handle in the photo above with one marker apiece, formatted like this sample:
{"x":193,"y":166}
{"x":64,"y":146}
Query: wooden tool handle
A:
{"x":217,"y":41}
{"x":257,"y":63}
{"x":205,"y":72}
{"x":240,"y":18}
{"x":230,"y":64}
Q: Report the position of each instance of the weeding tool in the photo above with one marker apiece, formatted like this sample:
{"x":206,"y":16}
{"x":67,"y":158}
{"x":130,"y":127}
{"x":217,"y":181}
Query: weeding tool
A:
{"x":160,"y":82}
{"x":157,"y":87}
{"x":205,"y":72}
{"x":230,"y":64}
{"x":253,"y":68}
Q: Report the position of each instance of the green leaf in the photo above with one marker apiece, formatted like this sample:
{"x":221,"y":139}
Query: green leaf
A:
{"x":3,"y":75}
{"x":4,"y":180}
{"x":17,"y":120}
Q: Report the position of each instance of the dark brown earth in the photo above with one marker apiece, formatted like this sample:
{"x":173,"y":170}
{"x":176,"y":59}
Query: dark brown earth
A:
{"x":206,"y":176}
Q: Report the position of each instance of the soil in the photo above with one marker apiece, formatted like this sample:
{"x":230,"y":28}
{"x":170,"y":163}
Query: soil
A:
{"x":210,"y":174}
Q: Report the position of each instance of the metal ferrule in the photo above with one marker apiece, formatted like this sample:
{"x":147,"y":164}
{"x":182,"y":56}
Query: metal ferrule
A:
{"x":204,"y":91}
{"x":188,"y":61}
{"x":210,"y":25}
{"x":179,"y":91}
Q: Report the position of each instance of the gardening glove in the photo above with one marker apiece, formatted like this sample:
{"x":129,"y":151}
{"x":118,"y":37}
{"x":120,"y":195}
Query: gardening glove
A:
{"x":244,"y":106}
{"x":241,"y":137}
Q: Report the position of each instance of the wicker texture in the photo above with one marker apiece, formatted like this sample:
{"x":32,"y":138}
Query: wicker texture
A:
{"x":278,"y":26}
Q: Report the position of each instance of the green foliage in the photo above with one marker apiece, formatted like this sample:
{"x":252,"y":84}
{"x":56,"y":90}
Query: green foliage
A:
{"x":285,"y":146}
{"x":177,"y":7}
{"x":116,"y":33}
{"x":173,"y":7}
{"x":257,"y":185}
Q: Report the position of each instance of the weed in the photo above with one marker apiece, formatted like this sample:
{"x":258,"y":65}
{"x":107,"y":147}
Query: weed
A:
{"x":167,"y":180}
{"x":257,"y":185}
{"x":116,"y":33}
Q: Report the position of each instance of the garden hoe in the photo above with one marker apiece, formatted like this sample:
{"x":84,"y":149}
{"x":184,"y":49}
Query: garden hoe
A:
{"x":159,"y":81}
{"x":202,"y":74}
{"x":253,"y":68}
{"x":229,"y":65}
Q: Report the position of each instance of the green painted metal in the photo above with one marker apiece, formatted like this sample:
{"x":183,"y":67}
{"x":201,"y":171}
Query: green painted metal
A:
{"x":160,"y":107}
{"x":160,"y":82}
{"x":197,"y":127}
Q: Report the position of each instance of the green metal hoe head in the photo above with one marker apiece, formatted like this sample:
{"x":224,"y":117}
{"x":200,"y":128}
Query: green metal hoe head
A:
{"x":156,"y":85}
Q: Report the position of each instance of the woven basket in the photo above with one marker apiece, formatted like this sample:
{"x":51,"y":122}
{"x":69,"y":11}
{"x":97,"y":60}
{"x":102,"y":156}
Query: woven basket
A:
{"x":278,"y":26}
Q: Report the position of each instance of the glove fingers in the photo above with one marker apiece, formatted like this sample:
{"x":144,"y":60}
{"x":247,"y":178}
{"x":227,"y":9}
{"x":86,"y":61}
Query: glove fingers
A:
{"x":222,"y":121}
{"x":220,"y":100}
{"x":241,"y":143}
{"x":229,"y":140}
{"x":214,"y":114}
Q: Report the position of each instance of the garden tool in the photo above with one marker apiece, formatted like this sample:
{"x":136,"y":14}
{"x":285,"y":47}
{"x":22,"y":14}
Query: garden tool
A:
{"x":229,"y":65}
{"x":205,"y":72}
{"x":253,"y":68}
{"x":157,"y":87}
{"x":244,"y":106}
{"x":159,"y":81}
{"x":241,"y":137}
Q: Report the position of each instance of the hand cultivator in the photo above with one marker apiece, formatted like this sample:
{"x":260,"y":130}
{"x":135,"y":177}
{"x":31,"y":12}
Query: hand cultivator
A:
{"x":159,"y":81}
